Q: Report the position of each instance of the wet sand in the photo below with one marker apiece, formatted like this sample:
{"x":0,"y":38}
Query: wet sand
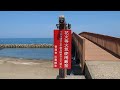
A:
{"x":14,"y":68}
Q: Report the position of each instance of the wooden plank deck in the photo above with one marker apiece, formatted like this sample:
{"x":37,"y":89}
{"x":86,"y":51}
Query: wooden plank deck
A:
{"x":94,"y":52}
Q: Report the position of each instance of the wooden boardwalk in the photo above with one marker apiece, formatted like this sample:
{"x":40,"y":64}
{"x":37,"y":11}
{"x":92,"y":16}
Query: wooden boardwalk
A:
{"x":100,"y":64}
{"x":94,"y":52}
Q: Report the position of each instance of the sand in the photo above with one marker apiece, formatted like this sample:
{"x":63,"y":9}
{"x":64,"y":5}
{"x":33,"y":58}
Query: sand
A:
{"x":14,"y":68}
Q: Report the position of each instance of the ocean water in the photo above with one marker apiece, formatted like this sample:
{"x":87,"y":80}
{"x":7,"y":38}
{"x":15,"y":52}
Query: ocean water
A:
{"x":27,"y":53}
{"x":26,"y":40}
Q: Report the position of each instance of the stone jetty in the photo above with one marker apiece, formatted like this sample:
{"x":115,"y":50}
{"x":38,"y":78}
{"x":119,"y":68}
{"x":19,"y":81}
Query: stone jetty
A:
{"x":26,"y":45}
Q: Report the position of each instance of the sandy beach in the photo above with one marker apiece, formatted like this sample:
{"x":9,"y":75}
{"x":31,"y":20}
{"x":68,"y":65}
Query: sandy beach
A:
{"x":14,"y":68}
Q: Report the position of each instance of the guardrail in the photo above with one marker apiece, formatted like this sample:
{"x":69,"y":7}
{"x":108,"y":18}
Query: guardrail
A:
{"x":109,"y":43}
{"x":78,"y":45}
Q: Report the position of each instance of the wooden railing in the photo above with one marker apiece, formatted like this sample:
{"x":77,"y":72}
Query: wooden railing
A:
{"x":111,"y":44}
{"x":78,"y":45}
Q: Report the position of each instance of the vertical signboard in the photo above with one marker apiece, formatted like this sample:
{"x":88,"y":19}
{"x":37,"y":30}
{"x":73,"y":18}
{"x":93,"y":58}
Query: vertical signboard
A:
{"x":56,"y":49}
{"x":62,"y":49}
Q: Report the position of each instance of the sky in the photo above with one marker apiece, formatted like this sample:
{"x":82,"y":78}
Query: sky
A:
{"x":40,"y":24}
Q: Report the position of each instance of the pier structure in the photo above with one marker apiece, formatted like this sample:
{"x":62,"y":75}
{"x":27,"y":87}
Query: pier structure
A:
{"x":97,"y":55}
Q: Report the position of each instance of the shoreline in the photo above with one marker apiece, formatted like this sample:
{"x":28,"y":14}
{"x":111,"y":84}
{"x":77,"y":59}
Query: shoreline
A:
{"x":14,"y":59}
{"x":27,"y":53}
{"x":29,"y":59}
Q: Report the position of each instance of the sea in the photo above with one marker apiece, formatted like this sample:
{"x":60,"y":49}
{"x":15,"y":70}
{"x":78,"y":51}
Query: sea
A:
{"x":27,"y":53}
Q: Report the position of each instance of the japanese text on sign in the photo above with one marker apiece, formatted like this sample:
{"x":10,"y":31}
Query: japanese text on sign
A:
{"x":62,"y":49}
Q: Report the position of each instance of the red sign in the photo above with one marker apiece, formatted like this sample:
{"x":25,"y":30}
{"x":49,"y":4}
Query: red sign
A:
{"x":62,"y":49}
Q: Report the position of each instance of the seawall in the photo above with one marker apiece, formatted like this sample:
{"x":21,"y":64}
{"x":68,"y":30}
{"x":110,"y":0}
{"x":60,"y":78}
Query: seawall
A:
{"x":26,"y":45}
